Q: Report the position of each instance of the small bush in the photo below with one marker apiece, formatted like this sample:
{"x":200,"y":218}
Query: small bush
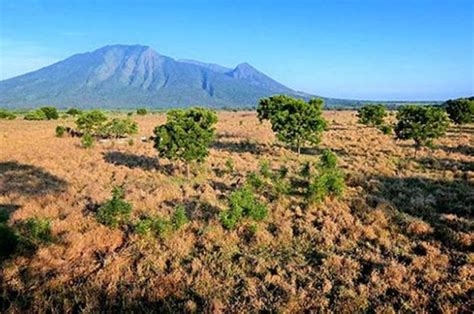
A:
{"x":73,"y":112}
{"x":254,"y":180}
{"x":142,"y":111}
{"x":154,"y":226}
{"x":87,"y":141}
{"x":7,"y":115}
{"x":229,"y":165}
{"x":242,"y":203}
{"x":283,"y":171}
{"x":460,"y":111}
{"x":118,"y":128}
{"x":386,"y":129}
{"x":372,"y":115}
{"x":51,"y":113}
{"x":265,"y":169}
{"x":36,"y":231}
{"x":60,"y":130}
{"x":36,"y":115}
{"x":305,"y":170}
{"x":328,"y":160}
{"x":179,"y":218}
{"x":91,"y":121}
{"x":115,"y":211}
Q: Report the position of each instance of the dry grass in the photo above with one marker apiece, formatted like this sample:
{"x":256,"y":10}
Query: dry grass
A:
{"x":400,"y":239}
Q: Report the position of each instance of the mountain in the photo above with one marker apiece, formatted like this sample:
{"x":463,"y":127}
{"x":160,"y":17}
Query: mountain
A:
{"x":127,"y":76}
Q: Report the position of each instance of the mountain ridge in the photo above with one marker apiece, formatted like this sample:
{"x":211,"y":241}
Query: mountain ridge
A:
{"x":128,"y":76}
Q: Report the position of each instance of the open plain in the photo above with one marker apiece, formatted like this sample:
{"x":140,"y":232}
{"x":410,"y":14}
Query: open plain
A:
{"x":399,"y":239}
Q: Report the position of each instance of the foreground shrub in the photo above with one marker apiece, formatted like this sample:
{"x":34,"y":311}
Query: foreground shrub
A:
{"x":372,"y":115}
{"x":295,"y":121}
{"x":186,"y":135}
{"x":142,"y":111}
{"x":161,"y":227}
{"x":242,"y":203}
{"x":35,"y":231}
{"x":7,"y":115}
{"x":461,"y":110}
{"x":87,"y":141}
{"x":60,"y":130}
{"x":421,"y":124}
{"x":329,"y":180}
{"x":115,"y":211}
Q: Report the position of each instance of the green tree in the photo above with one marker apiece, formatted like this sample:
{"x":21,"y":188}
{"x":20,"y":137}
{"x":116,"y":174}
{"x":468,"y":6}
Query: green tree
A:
{"x":295,"y":121}
{"x":421,"y":124}
{"x":73,"y":112}
{"x":51,"y":113}
{"x":36,"y":115}
{"x":461,"y":110}
{"x":91,"y":121}
{"x":186,"y":135}
{"x":7,"y":115}
{"x":60,"y":130}
{"x":372,"y":115}
{"x":142,"y":111}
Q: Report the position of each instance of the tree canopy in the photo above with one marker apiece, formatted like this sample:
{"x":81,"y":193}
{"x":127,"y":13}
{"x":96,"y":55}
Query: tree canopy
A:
{"x":461,"y":110}
{"x":186,"y":135}
{"x":295,"y":121}
{"x":372,"y":115}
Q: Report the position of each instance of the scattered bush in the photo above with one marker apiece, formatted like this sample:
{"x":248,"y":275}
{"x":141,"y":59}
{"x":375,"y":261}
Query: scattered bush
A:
{"x":116,"y":211}
{"x":179,"y":218}
{"x":87,"y":141}
{"x":91,"y":121}
{"x":35,"y":231}
{"x":60,"y":130}
{"x":73,"y":112}
{"x":186,"y":135}
{"x":372,"y":115}
{"x":421,"y":124}
{"x":461,"y":110}
{"x":295,"y":121}
{"x":254,"y":180}
{"x":229,"y":165}
{"x":51,"y":113}
{"x":36,"y":115}
{"x":7,"y":115}
{"x":242,"y":203}
{"x":161,"y":227}
{"x":117,"y":128}
{"x":265,"y":169}
{"x":142,"y":111}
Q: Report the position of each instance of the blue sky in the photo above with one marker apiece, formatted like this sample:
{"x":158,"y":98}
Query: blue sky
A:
{"x":360,"y":49}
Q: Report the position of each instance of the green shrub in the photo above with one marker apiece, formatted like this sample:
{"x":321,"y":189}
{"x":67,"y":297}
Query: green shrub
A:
{"x":254,"y":180}
{"x":118,"y":128}
{"x":317,"y":189}
{"x":154,"y":226}
{"x":60,"y":130}
{"x":386,"y":129}
{"x":36,"y":115}
{"x":229,"y":165}
{"x":179,"y":218}
{"x":265,"y":169}
{"x":51,"y":113}
{"x":461,"y":110}
{"x":36,"y":231}
{"x":91,"y":121}
{"x":372,"y":115}
{"x":328,"y":160}
{"x":283,"y":171}
{"x":116,"y":211}
{"x":305,"y":170}
{"x":87,"y":141}
{"x":142,"y":111}
{"x":7,"y":115}
{"x":73,"y":112}
{"x":242,"y":203}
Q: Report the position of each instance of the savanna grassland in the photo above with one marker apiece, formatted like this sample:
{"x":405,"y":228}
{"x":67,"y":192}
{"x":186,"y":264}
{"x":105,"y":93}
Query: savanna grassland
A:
{"x":399,"y":239}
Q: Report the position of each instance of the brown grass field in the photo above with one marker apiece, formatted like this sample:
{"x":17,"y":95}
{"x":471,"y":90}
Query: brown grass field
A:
{"x":399,"y":240}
